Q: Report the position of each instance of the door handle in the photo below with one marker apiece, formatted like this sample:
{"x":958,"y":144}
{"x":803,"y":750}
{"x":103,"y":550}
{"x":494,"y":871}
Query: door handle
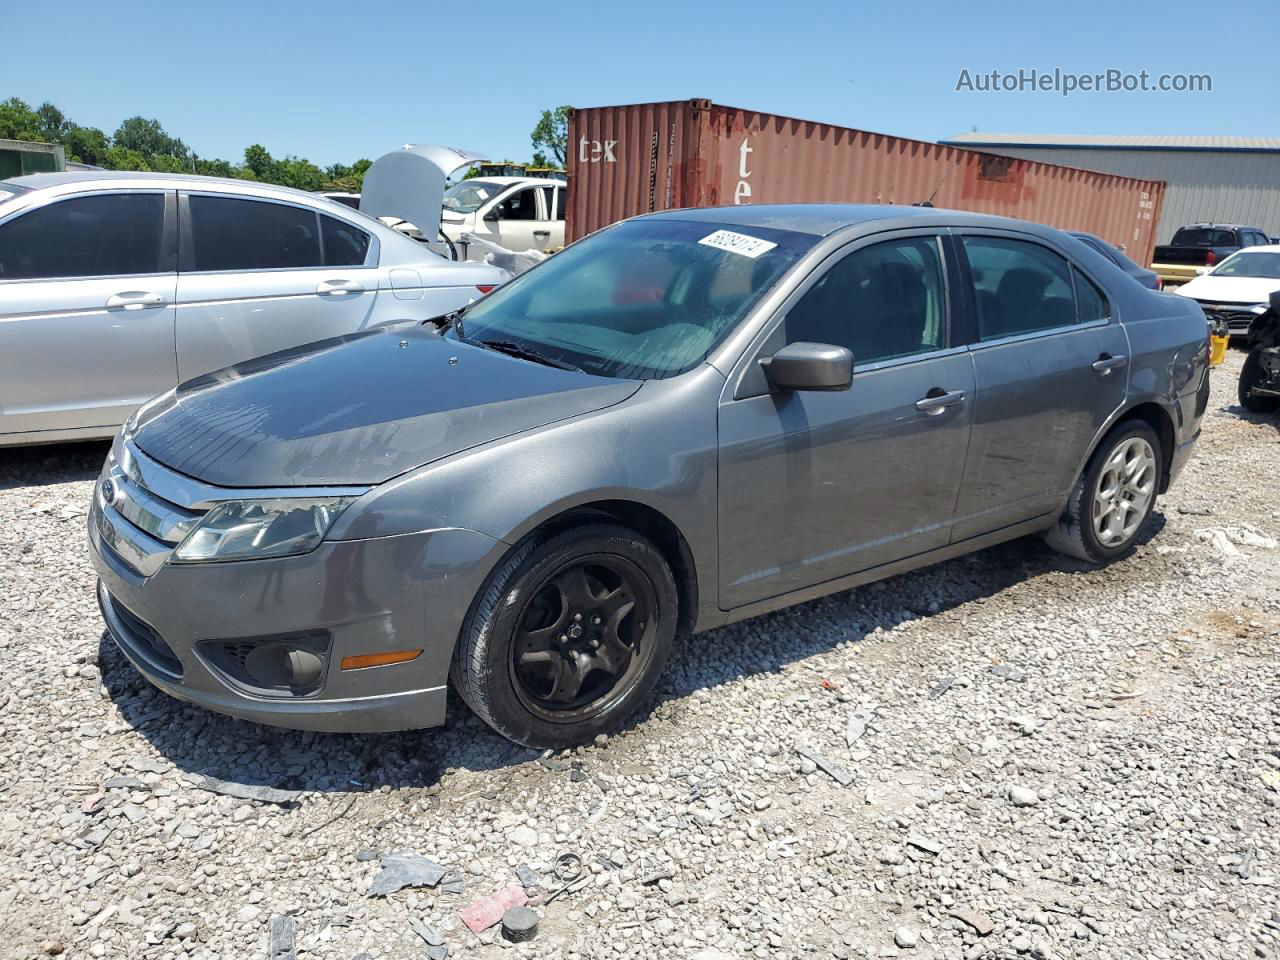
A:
{"x":937,"y":400}
{"x":338,"y":288}
{"x":542,"y":233}
{"x":134,"y":300}
{"x":1106,"y":363}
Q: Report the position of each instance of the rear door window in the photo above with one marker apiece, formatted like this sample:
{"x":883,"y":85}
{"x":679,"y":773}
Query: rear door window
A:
{"x":562,"y":194}
{"x":107,"y":235}
{"x":1019,"y":287}
{"x":227,"y":233}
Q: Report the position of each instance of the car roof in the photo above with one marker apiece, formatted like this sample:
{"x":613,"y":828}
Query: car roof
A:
{"x":1265,"y":247}
{"x":821,"y":219}
{"x":38,"y":181}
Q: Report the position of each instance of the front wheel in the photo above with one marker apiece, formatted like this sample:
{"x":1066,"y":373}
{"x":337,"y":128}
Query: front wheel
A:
{"x":568,"y":636}
{"x":1113,"y":500}
{"x":1250,"y":374}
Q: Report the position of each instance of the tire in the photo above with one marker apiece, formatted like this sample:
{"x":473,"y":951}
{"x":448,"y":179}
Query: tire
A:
{"x":1076,"y":533}
{"x":518,"y":658}
{"x":1250,"y":374}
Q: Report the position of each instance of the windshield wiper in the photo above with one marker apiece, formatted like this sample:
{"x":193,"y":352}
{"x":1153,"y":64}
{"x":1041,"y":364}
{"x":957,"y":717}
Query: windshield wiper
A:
{"x":512,"y":349}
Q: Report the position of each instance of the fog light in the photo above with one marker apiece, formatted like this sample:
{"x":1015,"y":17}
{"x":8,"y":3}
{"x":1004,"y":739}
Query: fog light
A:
{"x":379,"y":659}
{"x":283,"y":665}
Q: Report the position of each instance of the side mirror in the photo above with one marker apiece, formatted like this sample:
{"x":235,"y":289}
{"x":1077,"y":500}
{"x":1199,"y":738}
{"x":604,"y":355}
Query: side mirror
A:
{"x":1275,"y":302}
{"x":810,"y":366}
{"x":1202,"y":271}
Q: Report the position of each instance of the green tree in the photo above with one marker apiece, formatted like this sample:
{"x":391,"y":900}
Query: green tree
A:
{"x":54,"y":126}
{"x":148,"y":138}
{"x":18,"y":121}
{"x":218,"y":168}
{"x":122,"y":158}
{"x":168,"y":163}
{"x":551,"y":135}
{"x":259,"y":162}
{"x":300,"y":174}
{"x":341,"y":178}
{"x":86,"y":145}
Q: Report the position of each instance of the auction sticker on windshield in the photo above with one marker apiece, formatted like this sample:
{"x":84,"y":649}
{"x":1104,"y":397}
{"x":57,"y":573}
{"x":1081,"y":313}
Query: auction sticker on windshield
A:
{"x":738,"y":243}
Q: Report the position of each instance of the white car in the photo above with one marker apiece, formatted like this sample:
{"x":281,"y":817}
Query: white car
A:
{"x":1238,"y":288}
{"x":519,"y":213}
{"x":116,"y":286}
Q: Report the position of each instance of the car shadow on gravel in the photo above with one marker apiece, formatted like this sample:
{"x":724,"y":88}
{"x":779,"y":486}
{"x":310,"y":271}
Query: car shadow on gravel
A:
{"x":198,"y":741}
{"x":1263,"y":419}
{"x":52,"y":463}
{"x":769,"y":643}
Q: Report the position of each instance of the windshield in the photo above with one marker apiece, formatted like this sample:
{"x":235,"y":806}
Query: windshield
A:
{"x":646,"y":299}
{"x":469,"y":195}
{"x":1247,"y":263}
{"x":1203,"y":237}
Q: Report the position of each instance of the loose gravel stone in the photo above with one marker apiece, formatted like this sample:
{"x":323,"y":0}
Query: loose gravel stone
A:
{"x":1146,"y":697}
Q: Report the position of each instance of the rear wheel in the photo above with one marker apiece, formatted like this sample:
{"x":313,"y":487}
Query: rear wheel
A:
{"x":1113,"y":501}
{"x":568,"y":636}
{"x":1250,"y":374}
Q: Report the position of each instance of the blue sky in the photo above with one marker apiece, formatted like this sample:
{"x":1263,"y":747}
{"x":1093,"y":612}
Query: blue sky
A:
{"x":335,"y":81}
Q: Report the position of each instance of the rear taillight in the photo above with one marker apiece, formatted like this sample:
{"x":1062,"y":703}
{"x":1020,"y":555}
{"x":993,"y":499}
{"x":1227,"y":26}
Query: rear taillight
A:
{"x":1159,"y":284}
{"x":1210,"y":258}
{"x":486,"y":287}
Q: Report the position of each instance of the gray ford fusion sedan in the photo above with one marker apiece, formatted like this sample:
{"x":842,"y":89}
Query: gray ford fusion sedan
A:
{"x":686,"y":419}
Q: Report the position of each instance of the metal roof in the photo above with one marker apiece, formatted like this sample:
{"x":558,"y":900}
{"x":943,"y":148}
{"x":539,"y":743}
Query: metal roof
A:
{"x":1113,"y":142}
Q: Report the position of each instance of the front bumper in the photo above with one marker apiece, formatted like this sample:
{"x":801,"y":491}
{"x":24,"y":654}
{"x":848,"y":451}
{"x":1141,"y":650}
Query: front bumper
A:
{"x":1237,"y":317}
{"x":358,"y":597}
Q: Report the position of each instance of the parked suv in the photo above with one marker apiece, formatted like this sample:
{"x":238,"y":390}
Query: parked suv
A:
{"x":114,"y":287}
{"x":683,"y":420}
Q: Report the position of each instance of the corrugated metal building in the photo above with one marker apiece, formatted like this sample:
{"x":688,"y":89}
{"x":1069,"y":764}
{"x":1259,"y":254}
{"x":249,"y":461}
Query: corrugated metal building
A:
{"x":1221,"y":179}
{"x":20,"y":157}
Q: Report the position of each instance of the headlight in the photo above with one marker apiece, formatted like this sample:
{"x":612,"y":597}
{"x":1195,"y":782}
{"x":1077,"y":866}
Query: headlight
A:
{"x":256,"y":529}
{"x":1260,"y":309}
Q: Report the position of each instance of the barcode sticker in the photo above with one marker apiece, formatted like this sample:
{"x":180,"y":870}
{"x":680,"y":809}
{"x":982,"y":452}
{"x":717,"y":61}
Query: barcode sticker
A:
{"x":738,"y":243}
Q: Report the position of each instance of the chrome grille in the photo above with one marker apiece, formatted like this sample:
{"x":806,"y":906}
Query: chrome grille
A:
{"x":130,"y":497}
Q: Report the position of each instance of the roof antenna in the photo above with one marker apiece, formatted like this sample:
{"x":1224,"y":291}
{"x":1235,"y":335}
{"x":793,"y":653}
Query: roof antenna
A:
{"x":929,"y":202}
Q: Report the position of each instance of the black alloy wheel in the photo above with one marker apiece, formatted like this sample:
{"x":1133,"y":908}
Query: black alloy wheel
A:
{"x":584,"y":632}
{"x":568,"y":636}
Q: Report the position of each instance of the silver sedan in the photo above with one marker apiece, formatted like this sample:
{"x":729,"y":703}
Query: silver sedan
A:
{"x":115,"y":287}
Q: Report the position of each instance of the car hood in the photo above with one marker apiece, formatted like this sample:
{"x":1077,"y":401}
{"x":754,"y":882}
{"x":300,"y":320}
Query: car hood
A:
{"x":1230,"y":289}
{"x":358,"y":410}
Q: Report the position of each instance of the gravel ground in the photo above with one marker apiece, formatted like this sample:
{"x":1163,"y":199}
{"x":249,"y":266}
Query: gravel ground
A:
{"x":1056,"y":762}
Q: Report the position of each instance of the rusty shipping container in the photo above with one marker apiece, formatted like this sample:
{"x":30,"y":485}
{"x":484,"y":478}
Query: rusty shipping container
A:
{"x":634,"y":159}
